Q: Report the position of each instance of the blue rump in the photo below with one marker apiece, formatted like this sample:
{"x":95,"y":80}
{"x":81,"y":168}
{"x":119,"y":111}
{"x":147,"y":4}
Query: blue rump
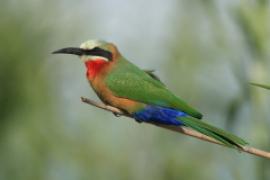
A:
{"x":160,"y":115}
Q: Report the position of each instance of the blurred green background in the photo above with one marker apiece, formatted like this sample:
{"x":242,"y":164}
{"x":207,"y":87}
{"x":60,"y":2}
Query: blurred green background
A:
{"x":205,"y":51}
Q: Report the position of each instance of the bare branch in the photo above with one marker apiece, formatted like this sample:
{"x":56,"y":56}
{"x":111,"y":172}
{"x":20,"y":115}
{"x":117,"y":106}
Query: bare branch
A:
{"x":179,"y":129}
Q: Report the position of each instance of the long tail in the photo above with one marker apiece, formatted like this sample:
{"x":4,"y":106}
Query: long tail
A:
{"x":222,"y":136}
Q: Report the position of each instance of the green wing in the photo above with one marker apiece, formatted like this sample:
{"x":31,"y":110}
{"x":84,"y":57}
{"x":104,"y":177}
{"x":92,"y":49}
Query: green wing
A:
{"x":128,"y":81}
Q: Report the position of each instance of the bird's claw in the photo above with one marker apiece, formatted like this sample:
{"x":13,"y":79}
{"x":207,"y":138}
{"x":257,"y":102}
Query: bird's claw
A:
{"x":116,"y":114}
{"x":138,"y":121}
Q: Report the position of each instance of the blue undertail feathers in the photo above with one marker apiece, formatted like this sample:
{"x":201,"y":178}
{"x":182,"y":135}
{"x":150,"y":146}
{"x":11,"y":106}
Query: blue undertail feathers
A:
{"x":160,"y":115}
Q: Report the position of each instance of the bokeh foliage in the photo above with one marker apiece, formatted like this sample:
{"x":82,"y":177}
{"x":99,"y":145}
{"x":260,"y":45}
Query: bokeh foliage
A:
{"x":207,"y":52}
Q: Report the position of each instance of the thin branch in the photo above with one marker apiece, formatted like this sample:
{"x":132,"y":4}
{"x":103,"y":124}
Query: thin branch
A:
{"x":179,"y":129}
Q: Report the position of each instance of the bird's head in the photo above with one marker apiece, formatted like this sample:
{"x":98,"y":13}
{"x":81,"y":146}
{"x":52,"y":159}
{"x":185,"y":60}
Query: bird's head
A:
{"x":91,"y":50}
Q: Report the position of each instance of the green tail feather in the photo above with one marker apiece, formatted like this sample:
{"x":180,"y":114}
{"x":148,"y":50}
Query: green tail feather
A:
{"x":222,"y":136}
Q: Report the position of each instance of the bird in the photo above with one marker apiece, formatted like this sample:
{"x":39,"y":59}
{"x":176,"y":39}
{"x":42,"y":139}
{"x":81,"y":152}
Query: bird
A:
{"x":140,"y":93}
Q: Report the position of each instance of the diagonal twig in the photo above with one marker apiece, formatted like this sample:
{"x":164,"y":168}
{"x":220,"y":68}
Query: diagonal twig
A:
{"x":179,"y":129}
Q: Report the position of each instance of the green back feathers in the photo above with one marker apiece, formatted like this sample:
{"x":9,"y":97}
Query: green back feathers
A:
{"x":128,"y":81}
{"x":153,"y":75}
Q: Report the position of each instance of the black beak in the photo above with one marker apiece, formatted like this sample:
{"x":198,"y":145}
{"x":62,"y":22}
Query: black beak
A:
{"x":70,"y":50}
{"x":78,"y":51}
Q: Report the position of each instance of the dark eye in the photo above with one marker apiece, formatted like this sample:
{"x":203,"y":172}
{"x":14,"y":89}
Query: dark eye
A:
{"x":99,"y":52}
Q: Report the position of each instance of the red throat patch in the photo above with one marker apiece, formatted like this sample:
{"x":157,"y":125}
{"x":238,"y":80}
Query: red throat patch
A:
{"x":94,"y":67}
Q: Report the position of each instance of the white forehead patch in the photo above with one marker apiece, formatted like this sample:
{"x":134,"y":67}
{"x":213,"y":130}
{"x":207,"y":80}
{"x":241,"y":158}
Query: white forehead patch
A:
{"x":90,"y":44}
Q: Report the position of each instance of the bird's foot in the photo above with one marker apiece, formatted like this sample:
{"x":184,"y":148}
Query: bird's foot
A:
{"x":138,"y":121}
{"x":116,"y":114}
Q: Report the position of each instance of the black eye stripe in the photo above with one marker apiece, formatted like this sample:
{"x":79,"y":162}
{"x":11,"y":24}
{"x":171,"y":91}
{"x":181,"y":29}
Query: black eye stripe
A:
{"x":98,"y":52}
